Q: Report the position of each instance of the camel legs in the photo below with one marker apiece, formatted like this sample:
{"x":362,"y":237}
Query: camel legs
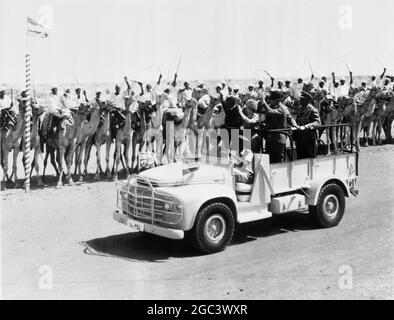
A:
{"x":107,"y":151}
{"x":60,"y":157}
{"x":88,"y":149}
{"x":36,"y":165}
{"x":134,"y":153}
{"x":126,"y":149}
{"x":5,"y":153}
{"x":50,"y":151}
{"x":374,"y":126}
{"x":14,"y":164}
{"x":118,"y":146}
{"x":98,"y":159}
{"x":69,"y":162}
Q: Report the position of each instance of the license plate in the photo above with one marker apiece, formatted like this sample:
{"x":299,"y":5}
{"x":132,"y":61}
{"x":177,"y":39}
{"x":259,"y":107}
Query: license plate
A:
{"x":136,"y":226}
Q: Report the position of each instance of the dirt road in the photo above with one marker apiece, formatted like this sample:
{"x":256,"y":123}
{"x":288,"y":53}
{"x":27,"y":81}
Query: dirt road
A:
{"x":69,"y":234}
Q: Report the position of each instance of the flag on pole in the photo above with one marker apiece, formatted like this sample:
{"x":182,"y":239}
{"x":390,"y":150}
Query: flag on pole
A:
{"x":35,"y":29}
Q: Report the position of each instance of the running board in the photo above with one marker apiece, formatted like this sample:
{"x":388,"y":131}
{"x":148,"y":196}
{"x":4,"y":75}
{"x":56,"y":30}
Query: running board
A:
{"x":248,"y":213}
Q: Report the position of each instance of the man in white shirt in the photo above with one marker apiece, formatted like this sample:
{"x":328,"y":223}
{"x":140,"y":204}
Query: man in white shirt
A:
{"x":185,"y":94}
{"x":118,"y":99}
{"x":65,"y":101}
{"x":260,"y":90}
{"x":343,"y":89}
{"x":79,"y":98}
{"x":53,"y":102}
{"x":150,"y":95}
{"x":297,"y":88}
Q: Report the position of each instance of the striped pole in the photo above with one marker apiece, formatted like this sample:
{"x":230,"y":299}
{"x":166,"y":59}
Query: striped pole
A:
{"x":28,"y":113}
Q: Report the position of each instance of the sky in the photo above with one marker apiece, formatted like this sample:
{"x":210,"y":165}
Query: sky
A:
{"x":101,"y":41}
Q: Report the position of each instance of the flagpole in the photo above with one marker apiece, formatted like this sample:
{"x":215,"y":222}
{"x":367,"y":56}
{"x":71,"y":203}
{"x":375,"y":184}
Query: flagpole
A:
{"x":28,"y":114}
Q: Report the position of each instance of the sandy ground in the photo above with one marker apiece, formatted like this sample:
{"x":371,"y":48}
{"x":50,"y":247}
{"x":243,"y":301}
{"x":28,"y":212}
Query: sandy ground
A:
{"x":71,"y":232}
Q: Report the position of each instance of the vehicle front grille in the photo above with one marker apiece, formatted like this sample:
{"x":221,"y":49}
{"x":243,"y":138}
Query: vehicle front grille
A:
{"x":138,"y":200}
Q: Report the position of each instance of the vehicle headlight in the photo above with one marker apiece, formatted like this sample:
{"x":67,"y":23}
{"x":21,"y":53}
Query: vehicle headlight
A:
{"x":167,"y":206}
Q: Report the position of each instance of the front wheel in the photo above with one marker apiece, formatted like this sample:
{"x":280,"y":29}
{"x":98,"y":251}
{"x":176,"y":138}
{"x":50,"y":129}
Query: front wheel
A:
{"x":213,"y":229}
{"x":330,"y":206}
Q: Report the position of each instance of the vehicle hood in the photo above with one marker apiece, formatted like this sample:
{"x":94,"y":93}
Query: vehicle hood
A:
{"x":176,"y":174}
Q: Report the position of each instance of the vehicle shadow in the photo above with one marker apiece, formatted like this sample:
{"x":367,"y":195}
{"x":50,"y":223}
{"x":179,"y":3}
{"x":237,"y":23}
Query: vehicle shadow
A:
{"x":137,"y":246}
{"x":278,"y":224}
{"x":145,"y":247}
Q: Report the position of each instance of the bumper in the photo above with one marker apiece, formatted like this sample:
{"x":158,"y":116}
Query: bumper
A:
{"x":159,"y":231}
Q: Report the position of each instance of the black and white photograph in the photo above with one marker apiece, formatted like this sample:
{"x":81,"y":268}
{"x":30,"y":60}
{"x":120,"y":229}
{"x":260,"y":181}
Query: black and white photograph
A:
{"x":189,"y":150}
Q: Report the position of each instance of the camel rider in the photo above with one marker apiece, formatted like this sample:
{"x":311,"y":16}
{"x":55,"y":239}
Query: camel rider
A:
{"x":220,"y":96}
{"x":79,"y":98}
{"x":277,"y":117}
{"x":117,"y":99}
{"x":343,"y":88}
{"x":362,"y":92}
{"x":297,"y":88}
{"x":60,"y":106}
{"x":5,"y":100}
{"x":185,"y":94}
{"x":251,"y":93}
{"x":287,"y":88}
{"x":260,"y":90}
{"x":235,"y":92}
{"x":204,"y":101}
{"x":307,"y":119}
{"x":6,"y":109}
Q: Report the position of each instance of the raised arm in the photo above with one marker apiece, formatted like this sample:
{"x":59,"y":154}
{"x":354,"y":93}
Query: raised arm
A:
{"x":174,"y":82}
{"x":142,"y":88}
{"x":351,"y":77}
{"x":384,"y":72}
{"x":158,"y":81}
{"x":272,"y":82}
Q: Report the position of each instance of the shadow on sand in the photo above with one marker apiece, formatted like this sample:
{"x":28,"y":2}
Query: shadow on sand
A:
{"x":150,"y":248}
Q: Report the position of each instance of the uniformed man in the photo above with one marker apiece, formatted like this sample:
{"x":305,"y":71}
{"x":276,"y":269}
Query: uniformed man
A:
{"x":277,"y":117}
{"x":307,"y":120}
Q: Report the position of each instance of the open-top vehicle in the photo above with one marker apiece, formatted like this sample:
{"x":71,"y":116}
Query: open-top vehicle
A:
{"x":202,"y":201}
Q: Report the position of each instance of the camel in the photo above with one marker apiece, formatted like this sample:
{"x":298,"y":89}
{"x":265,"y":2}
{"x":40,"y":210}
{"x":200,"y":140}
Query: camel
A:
{"x":331,"y":113}
{"x":356,"y":112}
{"x":153,"y":137}
{"x":176,"y":151}
{"x":11,"y":140}
{"x":379,"y":116}
{"x":100,"y":137}
{"x":35,"y":140}
{"x":64,"y":143}
{"x":86,"y":132}
{"x":199,"y":123}
{"x":123,"y":137}
{"x":139,"y":124}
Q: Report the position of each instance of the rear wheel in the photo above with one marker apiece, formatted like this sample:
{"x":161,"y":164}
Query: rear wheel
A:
{"x":330,"y":206}
{"x":213,"y":229}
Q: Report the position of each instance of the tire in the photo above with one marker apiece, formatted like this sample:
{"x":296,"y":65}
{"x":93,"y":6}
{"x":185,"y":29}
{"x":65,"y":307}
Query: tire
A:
{"x":213,"y":228}
{"x":330,"y":206}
